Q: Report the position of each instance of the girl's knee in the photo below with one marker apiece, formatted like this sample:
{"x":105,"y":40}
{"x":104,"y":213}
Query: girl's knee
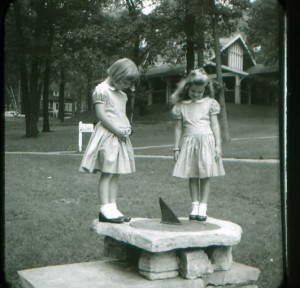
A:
{"x":109,"y":175}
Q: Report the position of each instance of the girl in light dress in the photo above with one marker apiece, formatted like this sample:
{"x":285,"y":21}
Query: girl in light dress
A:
{"x":109,"y":150}
{"x":197,"y":150}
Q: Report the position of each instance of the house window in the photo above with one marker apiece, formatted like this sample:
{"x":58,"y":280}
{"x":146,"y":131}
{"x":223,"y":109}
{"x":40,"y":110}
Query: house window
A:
{"x":56,"y":106}
{"x":68,"y":107}
{"x":55,"y":93}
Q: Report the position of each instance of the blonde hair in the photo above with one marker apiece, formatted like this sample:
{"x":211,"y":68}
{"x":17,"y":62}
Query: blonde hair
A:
{"x":195,"y":77}
{"x":123,"y":69}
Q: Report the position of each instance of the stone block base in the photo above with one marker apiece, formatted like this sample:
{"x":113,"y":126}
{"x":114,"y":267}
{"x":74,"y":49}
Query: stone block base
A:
{"x":120,"y":250}
{"x":155,"y":266}
{"x":220,"y":257}
{"x":158,"y":262}
{"x":194,"y":263}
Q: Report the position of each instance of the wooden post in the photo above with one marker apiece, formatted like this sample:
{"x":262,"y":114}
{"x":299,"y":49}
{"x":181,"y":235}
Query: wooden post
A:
{"x":150,"y":96}
{"x":237,"y":91}
{"x":83,"y":128}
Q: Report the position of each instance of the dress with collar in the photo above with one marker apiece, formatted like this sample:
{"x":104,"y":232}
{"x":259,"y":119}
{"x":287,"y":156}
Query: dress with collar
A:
{"x":197,"y":146}
{"x":105,"y":152}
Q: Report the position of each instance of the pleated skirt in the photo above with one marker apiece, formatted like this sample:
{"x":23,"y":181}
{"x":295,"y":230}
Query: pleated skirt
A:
{"x":197,"y":158}
{"x":107,"y":153}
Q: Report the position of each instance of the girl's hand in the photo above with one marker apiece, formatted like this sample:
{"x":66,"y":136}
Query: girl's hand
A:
{"x":218,"y":153}
{"x":176,"y":154}
{"x":121,"y":133}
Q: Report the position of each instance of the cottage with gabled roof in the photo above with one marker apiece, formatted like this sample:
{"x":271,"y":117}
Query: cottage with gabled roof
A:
{"x":238,"y":66}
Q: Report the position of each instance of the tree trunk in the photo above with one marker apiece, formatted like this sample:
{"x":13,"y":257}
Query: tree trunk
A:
{"x":22,"y":62}
{"x":201,"y":38}
{"x":46,"y":126}
{"x":50,"y":9}
{"x":223,"y":115}
{"x":200,"y":50}
{"x":61,"y":108}
{"x":29,"y":98}
{"x":89,"y":101}
{"x":189,"y":28}
{"x":32,"y":130}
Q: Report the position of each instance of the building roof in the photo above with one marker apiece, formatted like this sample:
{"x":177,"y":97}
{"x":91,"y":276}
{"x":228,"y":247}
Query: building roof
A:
{"x":227,"y":42}
{"x":229,"y":69}
{"x":260,"y":69}
{"x":168,"y":69}
{"x":164,"y":69}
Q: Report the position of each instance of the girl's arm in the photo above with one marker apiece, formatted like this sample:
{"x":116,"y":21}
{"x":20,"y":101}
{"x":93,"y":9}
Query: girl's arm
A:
{"x":216,"y":130}
{"x":178,"y":135}
{"x":107,"y":123}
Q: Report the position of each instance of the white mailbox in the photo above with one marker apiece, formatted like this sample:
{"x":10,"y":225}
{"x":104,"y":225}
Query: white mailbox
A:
{"x":84,"y":128}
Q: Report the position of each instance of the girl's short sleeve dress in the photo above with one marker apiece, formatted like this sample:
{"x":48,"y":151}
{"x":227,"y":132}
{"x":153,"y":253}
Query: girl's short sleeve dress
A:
{"x":105,"y":152}
{"x":197,"y":147}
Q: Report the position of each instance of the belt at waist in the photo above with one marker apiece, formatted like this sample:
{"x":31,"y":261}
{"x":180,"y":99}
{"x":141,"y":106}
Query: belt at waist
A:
{"x":199,"y":130}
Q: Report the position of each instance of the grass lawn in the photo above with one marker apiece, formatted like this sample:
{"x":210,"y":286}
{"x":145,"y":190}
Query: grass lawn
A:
{"x":49,"y":205}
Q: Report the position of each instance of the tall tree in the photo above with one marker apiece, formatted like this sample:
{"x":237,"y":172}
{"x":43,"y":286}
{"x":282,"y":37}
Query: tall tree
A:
{"x":29,"y":82}
{"x":223,"y":114}
{"x":262,"y":31}
{"x":48,"y":60}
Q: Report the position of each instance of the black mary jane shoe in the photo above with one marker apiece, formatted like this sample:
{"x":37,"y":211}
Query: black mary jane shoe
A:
{"x":201,"y":218}
{"x":102,"y":218}
{"x":125,"y":218}
{"x":193,"y":217}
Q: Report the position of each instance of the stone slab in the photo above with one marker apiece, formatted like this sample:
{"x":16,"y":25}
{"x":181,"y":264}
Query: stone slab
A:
{"x":238,"y":274}
{"x":185,"y":226}
{"x":233,"y":286}
{"x":227,"y":234}
{"x":97,"y":274}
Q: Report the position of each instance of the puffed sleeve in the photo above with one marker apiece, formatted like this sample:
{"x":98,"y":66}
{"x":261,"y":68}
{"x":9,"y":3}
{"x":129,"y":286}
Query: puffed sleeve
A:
{"x":176,"y":111}
{"x":214,"y":107}
{"x":99,"y":96}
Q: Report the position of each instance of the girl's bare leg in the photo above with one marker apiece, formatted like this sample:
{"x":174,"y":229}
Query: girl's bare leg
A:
{"x":107,"y":191}
{"x":104,"y":188}
{"x":194,"y":185}
{"x":114,"y":187}
{"x":194,"y":189}
{"x":113,"y":196}
{"x":205,"y":189}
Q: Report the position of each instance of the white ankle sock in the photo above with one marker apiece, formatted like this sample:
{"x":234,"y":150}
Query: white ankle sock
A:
{"x":195,"y":206}
{"x":114,"y":206}
{"x":108,"y":211}
{"x":202,"y":209}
